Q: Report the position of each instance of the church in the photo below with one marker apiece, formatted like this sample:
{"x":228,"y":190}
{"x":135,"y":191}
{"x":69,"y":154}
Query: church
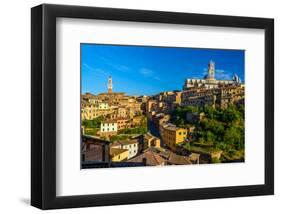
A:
{"x":209,"y":81}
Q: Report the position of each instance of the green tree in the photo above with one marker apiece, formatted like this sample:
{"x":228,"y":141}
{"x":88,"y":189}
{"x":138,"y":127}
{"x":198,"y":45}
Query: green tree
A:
{"x":221,"y":129}
{"x":95,"y":123}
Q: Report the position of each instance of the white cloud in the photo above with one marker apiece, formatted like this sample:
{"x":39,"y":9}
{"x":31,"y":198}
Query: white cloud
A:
{"x":123,"y":68}
{"x":146,"y":72}
{"x":87,"y":66}
{"x":219,"y":71}
{"x":115,"y":66}
{"x":223,"y":74}
{"x":100,"y":71}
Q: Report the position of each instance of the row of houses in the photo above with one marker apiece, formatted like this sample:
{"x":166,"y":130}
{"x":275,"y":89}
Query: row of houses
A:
{"x":221,"y":96}
{"x":112,"y":105}
{"x":142,"y":151}
{"x":120,"y":150}
{"x":110,"y":127}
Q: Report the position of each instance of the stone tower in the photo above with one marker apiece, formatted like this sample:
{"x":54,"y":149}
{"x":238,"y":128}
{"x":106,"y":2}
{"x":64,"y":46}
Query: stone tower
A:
{"x":109,"y":85}
{"x":211,"y":70}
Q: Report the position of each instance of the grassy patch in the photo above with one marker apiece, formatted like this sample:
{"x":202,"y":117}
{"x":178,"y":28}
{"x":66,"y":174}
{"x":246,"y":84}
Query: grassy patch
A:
{"x":91,"y":131}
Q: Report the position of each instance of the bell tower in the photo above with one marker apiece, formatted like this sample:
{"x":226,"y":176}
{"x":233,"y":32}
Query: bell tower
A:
{"x":109,"y":85}
{"x":211,"y":70}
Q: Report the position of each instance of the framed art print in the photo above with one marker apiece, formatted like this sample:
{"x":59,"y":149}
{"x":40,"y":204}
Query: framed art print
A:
{"x":132,"y":106}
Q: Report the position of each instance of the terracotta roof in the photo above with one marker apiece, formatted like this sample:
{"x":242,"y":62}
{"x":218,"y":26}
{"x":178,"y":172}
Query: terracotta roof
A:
{"x":171,"y":127}
{"x":116,"y":151}
{"x":121,"y":118}
{"x":94,"y":138}
{"x":173,"y":158}
{"x":109,"y":121}
{"x":112,"y":93}
{"x":88,"y":95}
{"x":178,"y":159}
{"x":152,"y":159}
{"x":123,"y":142}
{"x":148,"y":135}
{"x":115,"y":144}
{"x":164,"y":153}
{"x":127,"y":142}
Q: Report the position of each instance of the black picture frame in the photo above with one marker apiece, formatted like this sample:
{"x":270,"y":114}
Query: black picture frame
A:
{"x":43,"y":106}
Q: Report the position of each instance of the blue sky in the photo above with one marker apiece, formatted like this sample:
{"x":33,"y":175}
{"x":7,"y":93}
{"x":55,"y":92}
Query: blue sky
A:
{"x":145,"y":70}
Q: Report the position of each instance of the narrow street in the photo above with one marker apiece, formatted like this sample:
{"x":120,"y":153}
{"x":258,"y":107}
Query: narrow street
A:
{"x":154,"y":131}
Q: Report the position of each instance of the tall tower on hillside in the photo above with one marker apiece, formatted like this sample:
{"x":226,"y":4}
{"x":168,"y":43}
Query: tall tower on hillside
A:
{"x":109,"y":85}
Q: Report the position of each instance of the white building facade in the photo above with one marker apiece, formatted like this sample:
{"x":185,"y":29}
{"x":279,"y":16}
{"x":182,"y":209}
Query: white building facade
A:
{"x":132,"y":148}
{"x":130,"y":145}
{"x":107,"y":127}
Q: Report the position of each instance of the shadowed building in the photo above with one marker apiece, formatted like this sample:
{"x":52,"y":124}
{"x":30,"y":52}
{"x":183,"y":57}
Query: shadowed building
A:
{"x":95,"y":149}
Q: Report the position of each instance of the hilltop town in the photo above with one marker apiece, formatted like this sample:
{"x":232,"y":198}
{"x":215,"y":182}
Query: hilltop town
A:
{"x":202,"y":123}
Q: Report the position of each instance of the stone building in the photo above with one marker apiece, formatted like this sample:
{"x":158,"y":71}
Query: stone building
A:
{"x":172,"y":135}
{"x":216,"y":97}
{"x":94,"y":149}
{"x":108,"y":128}
{"x":160,"y":118}
{"x":150,"y":141}
{"x":130,"y":145}
{"x":151,"y":105}
{"x":194,"y":117}
{"x":92,"y":111}
{"x":209,"y":81}
{"x":123,"y":123}
{"x":118,"y":155}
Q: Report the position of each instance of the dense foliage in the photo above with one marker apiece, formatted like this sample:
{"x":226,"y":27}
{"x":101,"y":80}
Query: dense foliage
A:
{"x":91,"y":131}
{"x":178,"y":116}
{"x":137,"y":130}
{"x":220,"y":130}
{"x":95,"y":123}
{"x":91,"y":127}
